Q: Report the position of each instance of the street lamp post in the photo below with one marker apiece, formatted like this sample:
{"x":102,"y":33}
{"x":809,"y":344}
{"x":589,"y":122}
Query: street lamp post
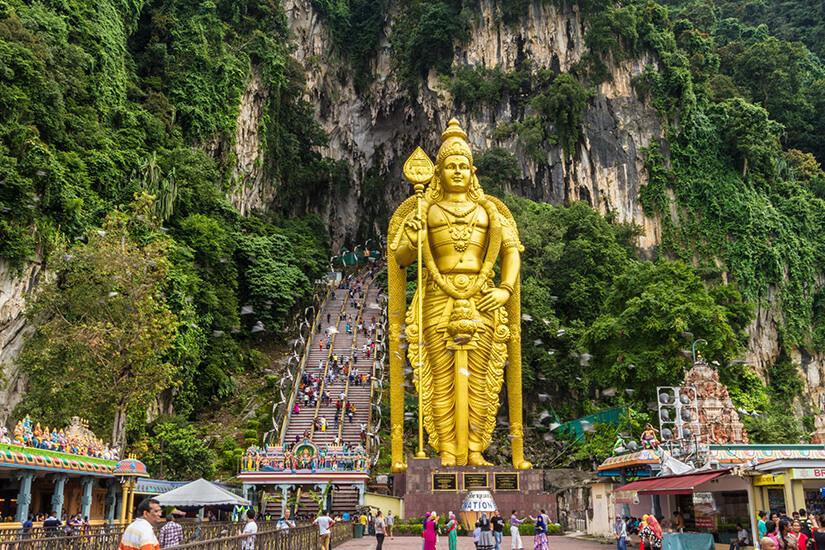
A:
{"x":693,"y":348}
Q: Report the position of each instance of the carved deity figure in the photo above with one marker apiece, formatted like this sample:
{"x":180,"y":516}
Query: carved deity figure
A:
{"x":466,"y":328}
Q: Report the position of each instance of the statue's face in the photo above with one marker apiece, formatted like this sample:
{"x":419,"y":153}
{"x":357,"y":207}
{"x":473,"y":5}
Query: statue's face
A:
{"x":455,"y":174}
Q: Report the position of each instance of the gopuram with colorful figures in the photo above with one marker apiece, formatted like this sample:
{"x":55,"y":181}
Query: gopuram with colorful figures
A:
{"x":69,"y":469}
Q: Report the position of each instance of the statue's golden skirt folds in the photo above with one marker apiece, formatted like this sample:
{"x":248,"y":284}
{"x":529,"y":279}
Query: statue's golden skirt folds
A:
{"x":435,"y":370}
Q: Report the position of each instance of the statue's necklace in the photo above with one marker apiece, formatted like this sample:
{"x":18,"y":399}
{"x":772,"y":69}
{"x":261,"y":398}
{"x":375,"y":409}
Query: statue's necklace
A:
{"x":459,"y":209}
{"x":460,"y":230}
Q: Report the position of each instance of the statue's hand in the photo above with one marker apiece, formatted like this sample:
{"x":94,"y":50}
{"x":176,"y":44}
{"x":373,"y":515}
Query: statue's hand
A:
{"x":493,"y":298}
{"x":411,"y":229}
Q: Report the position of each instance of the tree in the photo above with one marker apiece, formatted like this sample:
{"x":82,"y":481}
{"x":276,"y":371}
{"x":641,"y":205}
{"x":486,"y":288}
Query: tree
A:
{"x":271,"y":282}
{"x":564,"y":103}
{"x":176,"y":445}
{"x":651,"y":313}
{"x":103,"y":326}
{"x":749,"y":134}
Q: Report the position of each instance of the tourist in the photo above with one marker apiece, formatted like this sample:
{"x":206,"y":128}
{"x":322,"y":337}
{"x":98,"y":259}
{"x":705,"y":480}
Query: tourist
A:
{"x":516,"y":543}
{"x":451,"y":530}
{"x":76,"y":523}
{"x":818,"y":534}
{"x":805,"y":523}
{"x":140,"y":534}
{"x":498,"y":528}
{"x":772,"y":528}
{"x":476,"y":535}
{"x":652,"y":534}
{"x":801,"y":538}
{"x":678,"y":521}
{"x":620,"y":529}
{"x":430,"y":531}
{"x":485,"y":539}
{"x":767,"y":543}
{"x":742,"y":538}
{"x":380,"y":526}
{"x":171,"y":534}
{"x":761,"y":527}
{"x":51,"y":524}
{"x":249,"y":530}
{"x":786,"y":540}
{"x":325,"y":523}
{"x":27,"y":526}
{"x":540,"y":540}
{"x":775,"y":518}
{"x":285,"y":522}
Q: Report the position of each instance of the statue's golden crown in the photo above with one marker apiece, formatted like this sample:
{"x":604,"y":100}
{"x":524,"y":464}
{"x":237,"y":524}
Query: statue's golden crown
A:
{"x":454,"y":142}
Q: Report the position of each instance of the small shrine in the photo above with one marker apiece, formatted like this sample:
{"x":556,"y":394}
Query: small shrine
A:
{"x":718,"y":418}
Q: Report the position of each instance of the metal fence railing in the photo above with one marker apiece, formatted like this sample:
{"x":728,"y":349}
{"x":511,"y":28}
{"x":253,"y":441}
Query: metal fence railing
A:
{"x":297,"y":538}
{"x":106,"y":537}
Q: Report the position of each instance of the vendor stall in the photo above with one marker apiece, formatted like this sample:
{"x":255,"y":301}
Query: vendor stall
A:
{"x":710,"y":502}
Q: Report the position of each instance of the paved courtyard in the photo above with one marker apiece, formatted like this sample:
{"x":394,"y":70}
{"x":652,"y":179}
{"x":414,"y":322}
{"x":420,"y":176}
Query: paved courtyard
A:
{"x":466,"y":543}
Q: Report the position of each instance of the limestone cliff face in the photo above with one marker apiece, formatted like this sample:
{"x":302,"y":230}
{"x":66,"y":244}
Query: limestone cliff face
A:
{"x":381,"y":127}
{"x":763,"y":349}
{"x":250,"y":191}
{"x":14,"y":288}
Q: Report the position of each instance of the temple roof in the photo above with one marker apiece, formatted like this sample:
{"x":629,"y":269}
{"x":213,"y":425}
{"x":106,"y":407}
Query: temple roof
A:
{"x":14,"y":456}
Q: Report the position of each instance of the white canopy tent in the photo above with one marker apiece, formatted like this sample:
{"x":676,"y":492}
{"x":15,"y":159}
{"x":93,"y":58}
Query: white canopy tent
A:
{"x":200,"y":493}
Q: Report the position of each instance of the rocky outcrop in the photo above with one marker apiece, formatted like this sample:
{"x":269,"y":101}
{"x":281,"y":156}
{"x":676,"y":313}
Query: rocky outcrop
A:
{"x":380,"y":127}
{"x":14,"y":328}
{"x":250,"y":192}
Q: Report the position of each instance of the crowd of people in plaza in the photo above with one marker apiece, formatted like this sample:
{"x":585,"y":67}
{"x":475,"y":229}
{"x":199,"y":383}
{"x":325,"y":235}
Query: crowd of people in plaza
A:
{"x":777,"y":532}
{"x":53,"y":526}
{"x":800,"y":531}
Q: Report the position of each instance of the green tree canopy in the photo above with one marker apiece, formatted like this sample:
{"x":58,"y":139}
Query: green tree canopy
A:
{"x":103,"y":327}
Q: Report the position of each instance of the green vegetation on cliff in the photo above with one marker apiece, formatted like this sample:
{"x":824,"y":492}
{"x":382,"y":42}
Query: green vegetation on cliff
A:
{"x":101,"y":102}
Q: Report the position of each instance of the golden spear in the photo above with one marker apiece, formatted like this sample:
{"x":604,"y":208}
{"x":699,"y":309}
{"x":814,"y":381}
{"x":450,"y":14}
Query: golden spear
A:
{"x":419,"y":169}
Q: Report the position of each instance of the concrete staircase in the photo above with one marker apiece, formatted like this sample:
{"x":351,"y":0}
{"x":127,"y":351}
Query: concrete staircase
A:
{"x":339,"y":311}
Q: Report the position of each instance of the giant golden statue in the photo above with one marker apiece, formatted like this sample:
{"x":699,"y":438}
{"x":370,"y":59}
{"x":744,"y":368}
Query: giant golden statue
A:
{"x":462,"y":329}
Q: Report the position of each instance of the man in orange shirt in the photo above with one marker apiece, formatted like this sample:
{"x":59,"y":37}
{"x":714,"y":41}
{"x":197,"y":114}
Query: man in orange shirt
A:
{"x":140,"y":534}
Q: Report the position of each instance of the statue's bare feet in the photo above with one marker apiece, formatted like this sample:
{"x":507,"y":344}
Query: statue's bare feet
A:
{"x":475,"y":459}
{"x":447,"y":459}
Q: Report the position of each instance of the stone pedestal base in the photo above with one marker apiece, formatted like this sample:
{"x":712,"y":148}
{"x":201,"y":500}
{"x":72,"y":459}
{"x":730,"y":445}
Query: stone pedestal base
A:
{"x":428,"y":486}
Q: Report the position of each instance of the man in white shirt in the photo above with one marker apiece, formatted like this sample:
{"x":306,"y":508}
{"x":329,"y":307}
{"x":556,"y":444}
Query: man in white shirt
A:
{"x":742,"y":538}
{"x":249,"y":530}
{"x":325,"y":524}
{"x":283,"y":526}
{"x":285,"y":523}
